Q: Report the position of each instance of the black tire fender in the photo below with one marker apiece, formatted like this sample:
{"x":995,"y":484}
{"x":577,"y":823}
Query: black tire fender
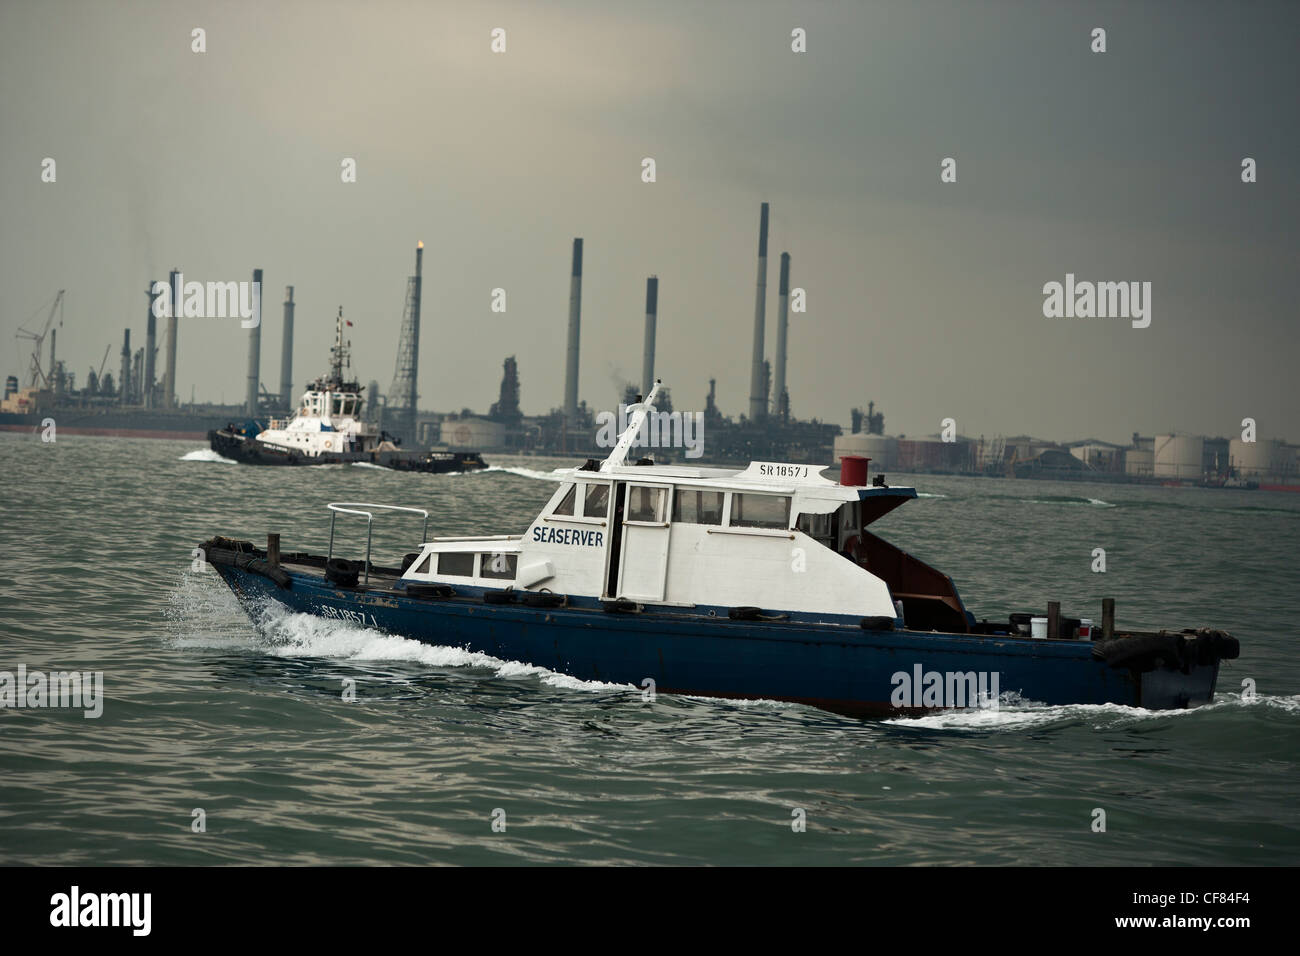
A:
{"x":430,"y":591}
{"x":342,"y":572}
{"x":1142,"y":653}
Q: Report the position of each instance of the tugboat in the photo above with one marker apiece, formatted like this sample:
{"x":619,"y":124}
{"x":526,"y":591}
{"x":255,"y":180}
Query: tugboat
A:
{"x":327,"y":430}
{"x":762,"y":583}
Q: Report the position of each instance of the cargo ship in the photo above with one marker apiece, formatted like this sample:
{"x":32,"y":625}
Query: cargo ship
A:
{"x":760,"y":583}
{"x":26,"y":410}
{"x":116,"y":422}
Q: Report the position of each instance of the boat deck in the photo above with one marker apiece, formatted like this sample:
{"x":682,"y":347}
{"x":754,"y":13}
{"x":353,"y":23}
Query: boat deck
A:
{"x":381,"y":578}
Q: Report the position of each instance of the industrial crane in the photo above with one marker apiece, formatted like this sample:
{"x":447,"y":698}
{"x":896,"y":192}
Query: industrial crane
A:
{"x":38,"y":374}
{"x":95,"y":379}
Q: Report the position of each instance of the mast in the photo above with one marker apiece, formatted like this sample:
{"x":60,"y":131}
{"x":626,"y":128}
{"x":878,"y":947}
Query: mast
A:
{"x":339,"y":353}
{"x":636,"y":418}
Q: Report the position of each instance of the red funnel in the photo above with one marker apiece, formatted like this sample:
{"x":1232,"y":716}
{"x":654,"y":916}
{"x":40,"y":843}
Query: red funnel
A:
{"x":853,"y":470}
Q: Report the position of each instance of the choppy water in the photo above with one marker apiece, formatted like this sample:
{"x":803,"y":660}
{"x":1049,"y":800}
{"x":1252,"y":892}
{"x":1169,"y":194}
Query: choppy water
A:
{"x":204,"y":711}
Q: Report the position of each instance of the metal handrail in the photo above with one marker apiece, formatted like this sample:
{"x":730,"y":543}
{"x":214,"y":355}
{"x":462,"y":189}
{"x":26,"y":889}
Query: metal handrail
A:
{"x":347,"y":507}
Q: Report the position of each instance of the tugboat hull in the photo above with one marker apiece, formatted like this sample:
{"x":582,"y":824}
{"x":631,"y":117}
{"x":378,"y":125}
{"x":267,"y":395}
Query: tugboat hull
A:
{"x":230,"y":443}
{"x":835,"y":665}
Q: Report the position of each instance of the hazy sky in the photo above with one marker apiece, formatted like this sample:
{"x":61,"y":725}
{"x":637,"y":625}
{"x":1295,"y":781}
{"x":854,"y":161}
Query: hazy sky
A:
{"x":924,"y":296}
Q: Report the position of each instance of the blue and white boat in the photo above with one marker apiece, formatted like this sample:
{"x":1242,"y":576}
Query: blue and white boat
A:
{"x":759,"y":583}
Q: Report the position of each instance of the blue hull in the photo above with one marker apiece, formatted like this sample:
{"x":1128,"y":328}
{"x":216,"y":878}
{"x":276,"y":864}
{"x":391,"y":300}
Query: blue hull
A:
{"x":836,"y":666}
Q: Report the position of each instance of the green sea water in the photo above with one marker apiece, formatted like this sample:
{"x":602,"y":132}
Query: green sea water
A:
{"x":204,"y":712}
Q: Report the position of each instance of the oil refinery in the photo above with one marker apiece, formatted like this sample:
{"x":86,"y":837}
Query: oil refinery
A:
{"x":139,"y":402}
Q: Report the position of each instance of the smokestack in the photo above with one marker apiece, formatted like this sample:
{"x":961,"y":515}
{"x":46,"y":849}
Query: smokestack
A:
{"x":286,"y":352}
{"x":124,"y":377}
{"x":49,"y":379}
{"x":757,"y":378}
{"x":169,"y":384}
{"x":150,"y":348}
{"x":782,"y":320}
{"x":254,"y":348}
{"x":413,"y":397}
{"x":575,"y":321}
{"x":651,"y":317}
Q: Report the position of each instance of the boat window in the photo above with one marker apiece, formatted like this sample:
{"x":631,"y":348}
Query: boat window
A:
{"x":423,"y":566}
{"x":644,"y":504}
{"x":596,"y":504}
{"x":338,"y":405}
{"x":498,"y":566}
{"x":565,"y":507}
{"x":850,"y":522}
{"x":697,"y":507}
{"x":818,"y":527}
{"x":457,"y":564}
{"x":760,"y":511}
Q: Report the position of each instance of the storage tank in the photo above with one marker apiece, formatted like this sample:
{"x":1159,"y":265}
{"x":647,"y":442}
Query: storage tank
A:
{"x":1179,"y":456}
{"x":932,"y":454}
{"x":1139,"y":461}
{"x":1255,"y":459}
{"x":471,"y":433}
{"x":881,"y":449}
